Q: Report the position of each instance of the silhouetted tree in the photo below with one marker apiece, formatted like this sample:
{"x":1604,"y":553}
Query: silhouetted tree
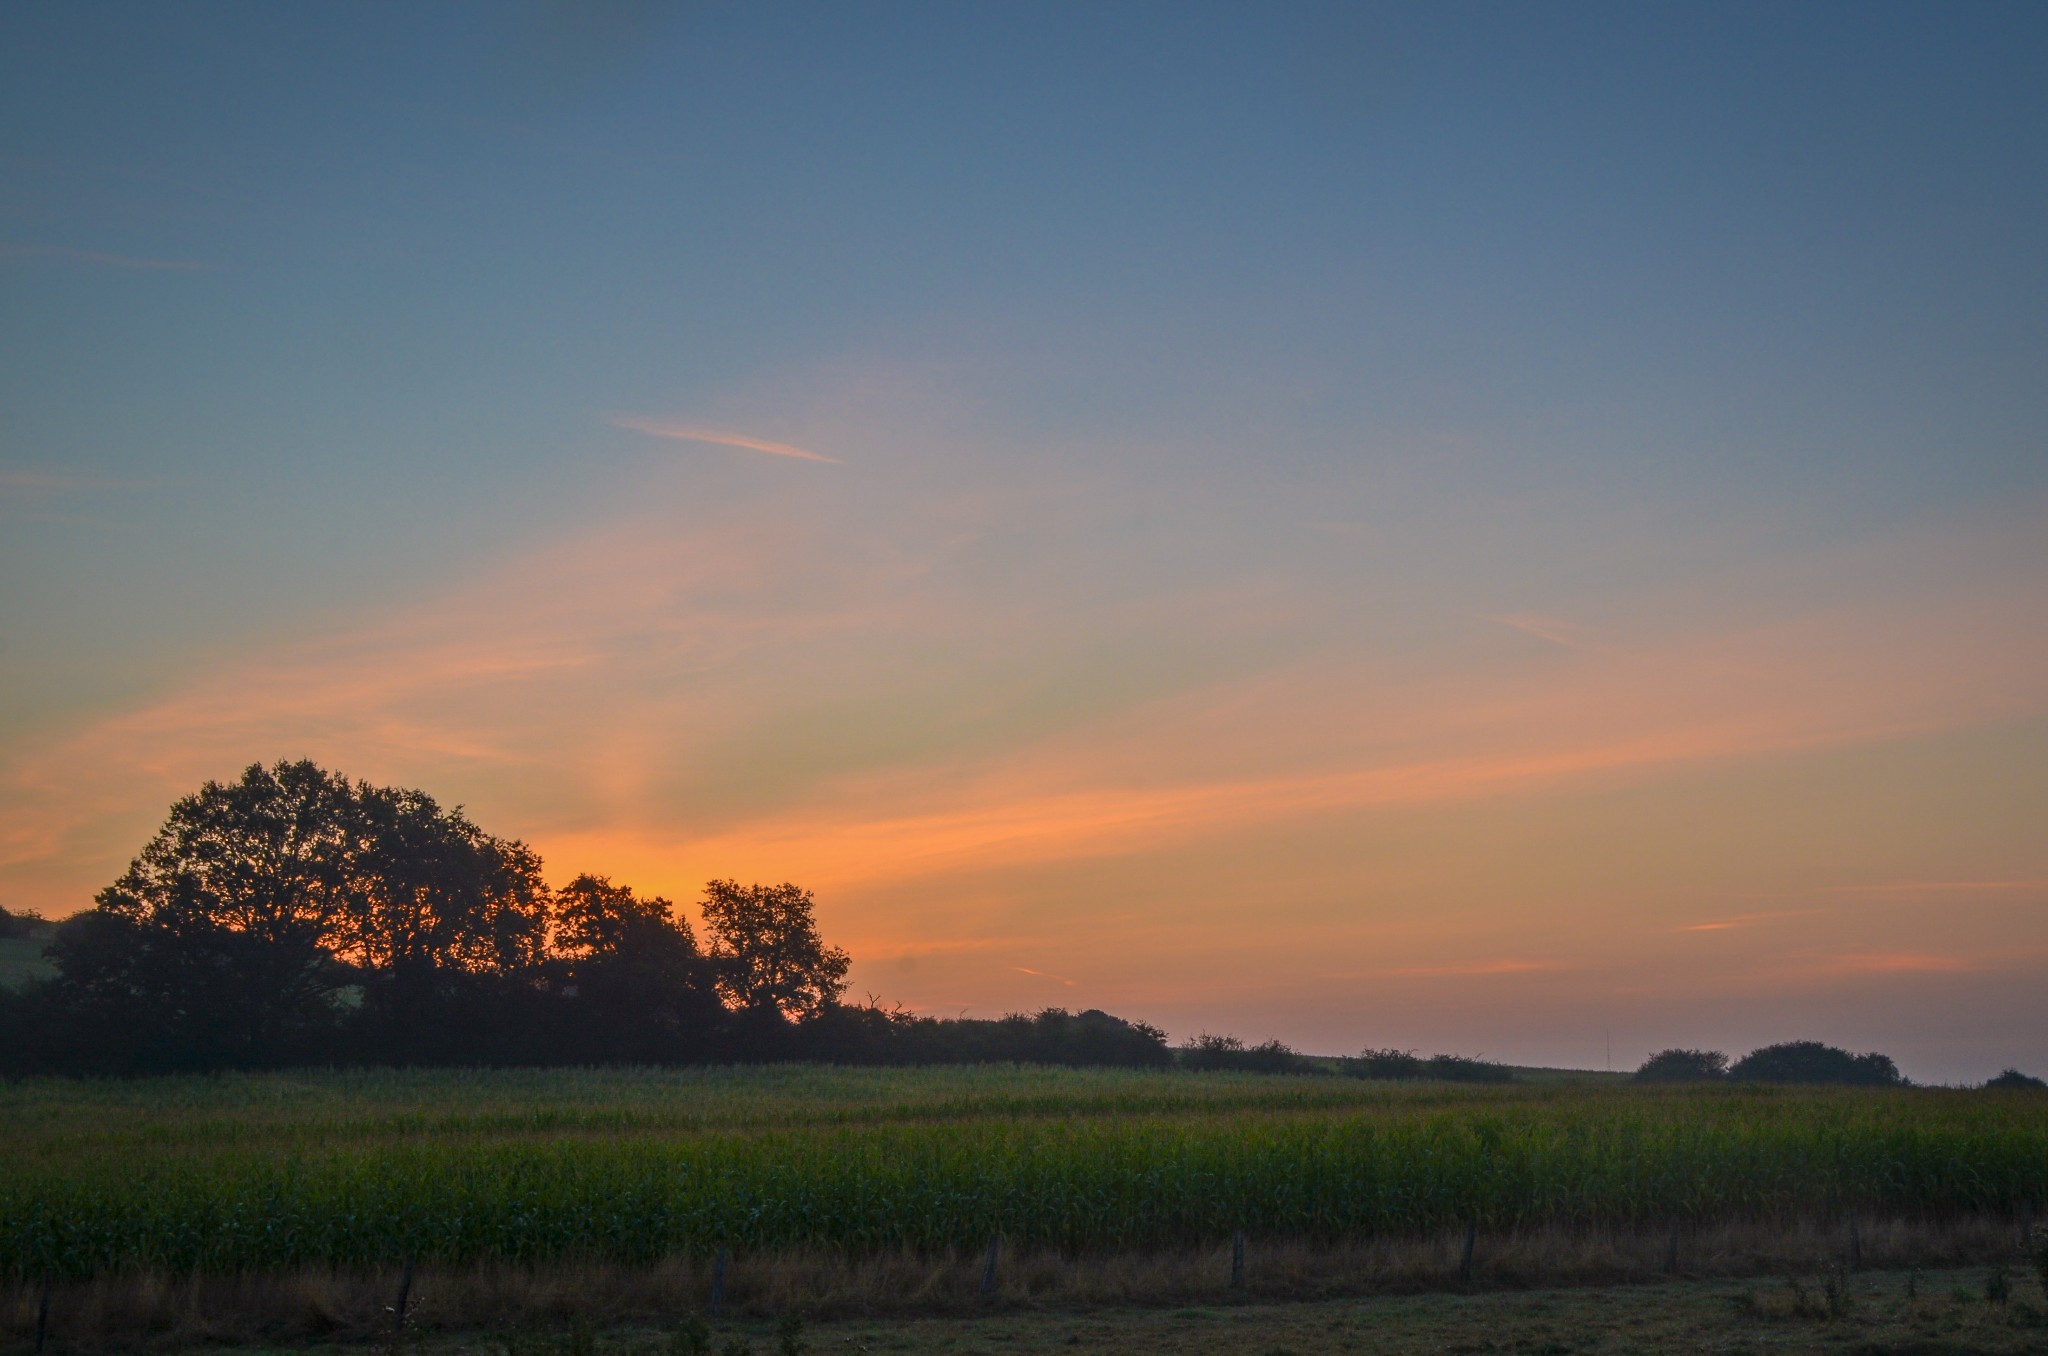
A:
{"x":1813,"y":1062}
{"x":1683,"y":1066}
{"x":636,"y":989}
{"x":770,"y":958}
{"x":228,"y":914}
{"x":434,"y":891}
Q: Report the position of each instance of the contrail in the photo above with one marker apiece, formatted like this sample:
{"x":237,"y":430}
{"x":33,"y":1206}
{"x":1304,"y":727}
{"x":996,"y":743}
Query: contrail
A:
{"x":699,"y":435}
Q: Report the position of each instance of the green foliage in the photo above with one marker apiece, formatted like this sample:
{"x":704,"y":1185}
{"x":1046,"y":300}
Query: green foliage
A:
{"x":2012,"y":1080}
{"x":1401,"y":1065}
{"x":1684,"y":1066}
{"x":1813,"y":1062}
{"x":1207,"y":1052}
{"x":252,"y":1172}
{"x":1997,"y":1286}
{"x":789,"y":1335}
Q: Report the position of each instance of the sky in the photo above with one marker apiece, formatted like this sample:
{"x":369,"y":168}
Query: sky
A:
{"x":1499,"y":529}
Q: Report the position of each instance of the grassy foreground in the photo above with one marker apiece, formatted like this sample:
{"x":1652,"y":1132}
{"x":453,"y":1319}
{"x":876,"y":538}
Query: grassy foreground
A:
{"x":1943,"y":1313}
{"x":235,"y":1174}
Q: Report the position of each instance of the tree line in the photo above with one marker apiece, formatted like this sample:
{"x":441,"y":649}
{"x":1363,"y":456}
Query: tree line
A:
{"x":296,"y":917}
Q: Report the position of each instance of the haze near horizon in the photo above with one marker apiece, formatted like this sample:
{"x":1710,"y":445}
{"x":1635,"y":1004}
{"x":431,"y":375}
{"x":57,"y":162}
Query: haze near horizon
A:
{"x":1461,"y":527}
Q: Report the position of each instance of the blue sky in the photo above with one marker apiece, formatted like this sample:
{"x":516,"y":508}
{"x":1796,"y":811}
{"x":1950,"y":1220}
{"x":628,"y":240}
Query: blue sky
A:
{"x":1233,"y":378}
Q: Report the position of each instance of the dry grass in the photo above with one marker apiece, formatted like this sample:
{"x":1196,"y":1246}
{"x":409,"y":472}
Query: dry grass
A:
{"x":154,"y":1310}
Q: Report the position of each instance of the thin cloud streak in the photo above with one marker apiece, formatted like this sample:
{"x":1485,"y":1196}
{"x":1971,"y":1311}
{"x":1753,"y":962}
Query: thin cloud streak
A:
{"x":682,"y":433}
{"x":98,"y":259}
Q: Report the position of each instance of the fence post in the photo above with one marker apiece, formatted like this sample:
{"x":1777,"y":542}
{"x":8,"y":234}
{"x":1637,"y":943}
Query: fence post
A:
{"x":43,"y":1315}
{"x":1237,"y":1260}
{"x":1855,"y":1245}
{"x":1465,"y":1262}
{"x":404,"y":1298}
{"x":717,"y":1281}
{"x":988,"y":1270}
{"x":1671,"y":1251}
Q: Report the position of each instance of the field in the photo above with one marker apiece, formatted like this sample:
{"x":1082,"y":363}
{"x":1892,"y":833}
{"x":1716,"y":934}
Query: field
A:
{"x":234,"y":1174}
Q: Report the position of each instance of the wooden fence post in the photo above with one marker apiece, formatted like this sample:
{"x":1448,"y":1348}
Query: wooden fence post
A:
{"x":988,"y":1269}
{"x":404,"y":1298}
{"x":1465,"y":1262}
{"x":1237,"y":1260}
{"x":717,"y":1281}
{"x":1671,"y":1251}
{"x":1855,"y":1245}
{"x":43,"y":1315}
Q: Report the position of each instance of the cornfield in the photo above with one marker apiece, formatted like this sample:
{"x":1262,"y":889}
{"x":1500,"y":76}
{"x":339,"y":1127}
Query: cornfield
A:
{"x":260,"y":1172}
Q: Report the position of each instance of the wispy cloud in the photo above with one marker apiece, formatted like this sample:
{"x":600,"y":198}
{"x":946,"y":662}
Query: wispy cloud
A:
{"x":1743,"y":920}
{"x":686,"y":434}
{"x":1884,"y":963}
{"x":1042,"y":974}
{"x":66,"y":254}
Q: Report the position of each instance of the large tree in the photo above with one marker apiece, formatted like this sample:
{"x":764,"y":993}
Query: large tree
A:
{"x":636,"y":989}
{"x":770,"y":958}
{"x":432,"y":891}
{"x":223,"y":928}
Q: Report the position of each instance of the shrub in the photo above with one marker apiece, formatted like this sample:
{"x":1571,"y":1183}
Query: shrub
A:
{"x":1812,"y":1062}
{"x":1684,"y":1066}
{"x":1404,"y":1064}
{"x":1386,"y":1064}
{"x":1206,"y":1052}
{"x":2014,"y":1080}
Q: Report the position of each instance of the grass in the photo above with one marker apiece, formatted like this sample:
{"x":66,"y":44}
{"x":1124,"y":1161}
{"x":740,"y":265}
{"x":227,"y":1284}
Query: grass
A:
{"x":271,"y":1173}
{"x":1929,"y":1313}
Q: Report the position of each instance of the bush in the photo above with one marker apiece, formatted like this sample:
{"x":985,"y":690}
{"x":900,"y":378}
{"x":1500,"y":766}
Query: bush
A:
{"x":1405,"y":1064}
{"x":1812,"y":1062}
{"x":1684,"y":1066}
{"x":1210,"y":1053}
{"x":2014,"y":1080}
{"x":1387,"y":1064}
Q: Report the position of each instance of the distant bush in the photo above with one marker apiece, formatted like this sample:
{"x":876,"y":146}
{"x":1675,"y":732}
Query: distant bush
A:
{"x":1812,"y":1062}
{"x":1405,"y":1064}
{"x":1387,"y":1064}
{"x":1684,"y":1066}
{"x":13,"y":925}
{"x":2014,"y":1080}
{"x":1210,"y":1053}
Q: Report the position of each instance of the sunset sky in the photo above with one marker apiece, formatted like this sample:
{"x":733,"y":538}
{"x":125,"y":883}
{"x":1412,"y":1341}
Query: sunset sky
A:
{"x":1515,"y":530}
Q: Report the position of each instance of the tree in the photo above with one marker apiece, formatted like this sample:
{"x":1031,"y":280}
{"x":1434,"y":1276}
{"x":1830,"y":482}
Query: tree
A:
{"x":267,"y":855}
{"x":1683,"y":1066}
{"x":770,"y":959}
{"x":246,"y":888}
{"x":435,"y":892}
{"x":635,"y":988}
{"x":596,"y":920}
